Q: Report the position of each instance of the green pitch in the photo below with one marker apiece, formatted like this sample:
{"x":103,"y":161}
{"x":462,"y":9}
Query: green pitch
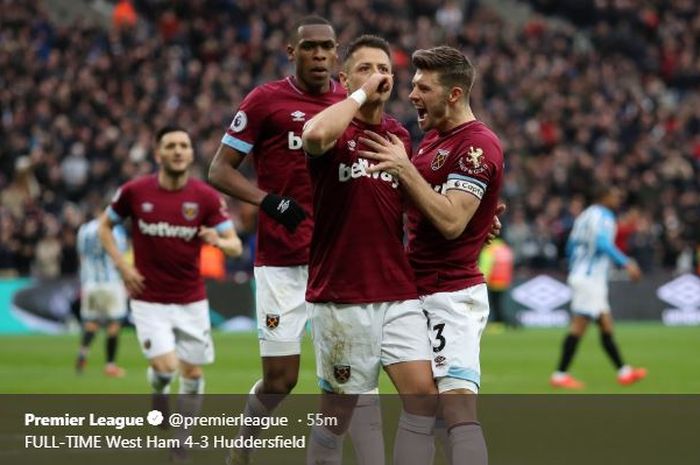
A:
{"x":517,"y":361}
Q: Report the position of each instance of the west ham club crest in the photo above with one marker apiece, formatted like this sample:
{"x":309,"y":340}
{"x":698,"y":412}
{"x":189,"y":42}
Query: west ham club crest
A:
{"x":190,"y":210}
{"x":439,"y":159}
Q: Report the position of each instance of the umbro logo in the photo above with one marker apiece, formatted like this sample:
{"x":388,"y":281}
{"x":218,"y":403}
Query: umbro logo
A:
{"x":298,"y":116}
{"x":147,"y":207}
{"x":283,"y":206}
{"x":352,"y":145}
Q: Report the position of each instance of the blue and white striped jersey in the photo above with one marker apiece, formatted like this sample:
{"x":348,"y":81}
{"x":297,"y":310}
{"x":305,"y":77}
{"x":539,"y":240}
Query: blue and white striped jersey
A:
{"x":95,"y":264}
{"x":591,"y":245}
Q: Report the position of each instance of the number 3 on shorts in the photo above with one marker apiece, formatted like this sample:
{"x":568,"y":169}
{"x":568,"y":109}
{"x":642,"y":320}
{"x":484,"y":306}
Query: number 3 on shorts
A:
{"x":439,"y":338}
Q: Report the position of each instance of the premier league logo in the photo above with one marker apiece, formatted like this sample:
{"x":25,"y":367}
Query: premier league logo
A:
{"x":341,"y":373}
{"x":190,"y":210}
{"x":439,"y":159}
{"x":240,"y":121}
{"x":272,"y":321}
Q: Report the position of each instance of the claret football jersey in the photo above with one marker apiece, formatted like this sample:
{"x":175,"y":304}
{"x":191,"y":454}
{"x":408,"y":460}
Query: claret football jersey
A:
{"x":164,"y":227}
{"x":357,"y":251}
{"x":468,"y":158}
{"x":268,"y":125}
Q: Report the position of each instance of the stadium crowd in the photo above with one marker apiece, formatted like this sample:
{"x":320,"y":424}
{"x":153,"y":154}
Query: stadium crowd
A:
{"x":615,"y":99}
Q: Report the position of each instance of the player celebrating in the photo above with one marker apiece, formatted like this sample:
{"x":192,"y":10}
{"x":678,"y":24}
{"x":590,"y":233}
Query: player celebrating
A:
{"x":172,"y":215}
{"x":102,"y":294}
{"x":268,"y":125}
{"x":591,"y":249}
{"x":454,"y":181}
{"x":362,"y":297}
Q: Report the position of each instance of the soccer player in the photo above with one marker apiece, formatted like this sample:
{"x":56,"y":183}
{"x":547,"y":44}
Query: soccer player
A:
{"x":268,"y":126}
{"x":362,"y":296}
{"x":172,"y":215}
{"x":102,"y":294}
{"x":453,"y":182}
{"x":591,"y":249}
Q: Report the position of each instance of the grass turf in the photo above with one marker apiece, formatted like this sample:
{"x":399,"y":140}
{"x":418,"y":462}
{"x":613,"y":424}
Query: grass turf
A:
{"x":512,"y":362}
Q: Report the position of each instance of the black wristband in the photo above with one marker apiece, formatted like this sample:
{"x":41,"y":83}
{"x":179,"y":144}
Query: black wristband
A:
{"x":284,"y":210}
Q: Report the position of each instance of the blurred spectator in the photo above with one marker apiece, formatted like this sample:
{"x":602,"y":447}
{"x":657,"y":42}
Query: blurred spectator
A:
{"x":449,"y":16}
{"x":613,"y":99}
{"x":47,"y":258}
{"x":496,"y":263}
{"x":9,"y":245}
{"x":124,"y":15}
{"x":24,"y":189}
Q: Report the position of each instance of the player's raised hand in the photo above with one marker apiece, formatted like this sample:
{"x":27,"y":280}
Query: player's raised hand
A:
{"x":390,"y":153}
{"x":377,"y":84}
{"x":284,"y":210}
{"x":133,"y":280}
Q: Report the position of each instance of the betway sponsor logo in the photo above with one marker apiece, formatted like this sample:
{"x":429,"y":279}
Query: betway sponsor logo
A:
{"x":359,"y":169}
{"x":294,"y":142}
{"x":163,"y":229}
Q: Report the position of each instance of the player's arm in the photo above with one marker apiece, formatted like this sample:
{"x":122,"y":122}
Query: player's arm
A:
{"x":605,"y":244}
{"x":133,"y":280}
{"x":225,"y":177}
{"x":450,"y":213}
{"x":323,"y":130}
{"x":225,"y":238}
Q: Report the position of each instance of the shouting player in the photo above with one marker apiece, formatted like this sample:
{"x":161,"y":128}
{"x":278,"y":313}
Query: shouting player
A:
{"x":268,"y":125}
{"x":362,"y":296}
{"x":453,"y":181}
{"x":172,"y":215}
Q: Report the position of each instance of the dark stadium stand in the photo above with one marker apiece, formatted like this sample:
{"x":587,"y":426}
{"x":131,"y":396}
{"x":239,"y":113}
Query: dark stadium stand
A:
{"x":614,"y":99}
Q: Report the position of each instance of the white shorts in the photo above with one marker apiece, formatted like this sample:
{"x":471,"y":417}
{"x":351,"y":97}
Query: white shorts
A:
{"x":184,"y":328}
{"x":102,"y":301}
{"x":457,"y":320}
{"x":281,"y":308}
{"x":589,"y":296}
{"x":352,"y":342}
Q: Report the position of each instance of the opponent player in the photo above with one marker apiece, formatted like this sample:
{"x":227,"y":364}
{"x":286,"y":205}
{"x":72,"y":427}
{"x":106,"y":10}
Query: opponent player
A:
{"x":453,"y":181}
{"x":591,"y":248}
{"x":172,"y":215}
{"x":268,"y":125}
{"x":102,"y":294}
{"x":362,"y":296}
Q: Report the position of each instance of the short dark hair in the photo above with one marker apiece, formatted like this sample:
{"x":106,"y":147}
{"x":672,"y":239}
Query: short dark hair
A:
{"x":600,"y":191}
{"x":367,"y":40}
{"x":311,"y":20}
{"x":453,"y":67}
{"x":167,"y":130}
